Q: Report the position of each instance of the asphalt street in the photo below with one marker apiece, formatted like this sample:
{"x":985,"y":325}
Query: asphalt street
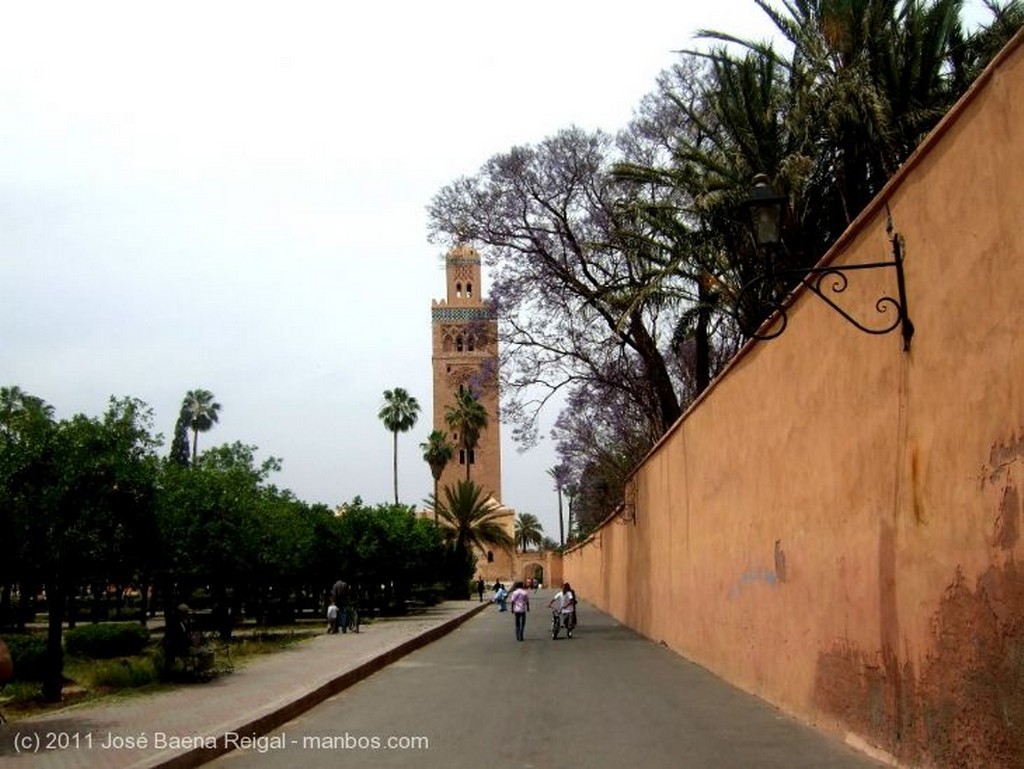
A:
{"x":607,"y":698}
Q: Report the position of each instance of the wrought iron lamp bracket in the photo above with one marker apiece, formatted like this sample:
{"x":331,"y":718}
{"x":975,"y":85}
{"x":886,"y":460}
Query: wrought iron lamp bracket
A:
{"x":826,"y":282}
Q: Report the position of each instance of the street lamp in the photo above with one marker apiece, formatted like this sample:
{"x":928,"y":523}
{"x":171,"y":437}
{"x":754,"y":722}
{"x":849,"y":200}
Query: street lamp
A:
{"x":765,"y":206}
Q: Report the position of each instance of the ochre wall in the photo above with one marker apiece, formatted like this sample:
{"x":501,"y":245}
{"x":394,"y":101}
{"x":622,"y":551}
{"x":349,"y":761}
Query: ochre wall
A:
{"x":835,"y":526}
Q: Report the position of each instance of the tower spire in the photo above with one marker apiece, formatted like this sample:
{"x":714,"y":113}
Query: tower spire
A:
{"x":465,"y":358}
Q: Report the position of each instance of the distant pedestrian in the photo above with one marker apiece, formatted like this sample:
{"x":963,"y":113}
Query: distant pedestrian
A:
{"x":500,"y":595}
{"x":332,"y":618}
{"x":520,"y":600}
{"x":480,"y":589}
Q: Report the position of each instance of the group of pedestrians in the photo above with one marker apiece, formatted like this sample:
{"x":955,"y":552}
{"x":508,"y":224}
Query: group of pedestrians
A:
{"x":563,"y":604}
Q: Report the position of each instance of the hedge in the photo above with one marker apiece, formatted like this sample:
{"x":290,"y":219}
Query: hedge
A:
{"x":106,"y":640}
{"x":28,"y":653}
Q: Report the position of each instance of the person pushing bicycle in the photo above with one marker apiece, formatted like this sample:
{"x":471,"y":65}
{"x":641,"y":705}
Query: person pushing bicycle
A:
{"x":563,"y":605}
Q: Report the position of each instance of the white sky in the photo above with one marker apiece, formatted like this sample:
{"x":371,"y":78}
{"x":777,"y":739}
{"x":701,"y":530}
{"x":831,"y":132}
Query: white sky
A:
{"x":232,"y":196}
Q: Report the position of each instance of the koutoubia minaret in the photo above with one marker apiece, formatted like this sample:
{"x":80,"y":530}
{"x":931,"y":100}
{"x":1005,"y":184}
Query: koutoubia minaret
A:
{"x":465,"y":356}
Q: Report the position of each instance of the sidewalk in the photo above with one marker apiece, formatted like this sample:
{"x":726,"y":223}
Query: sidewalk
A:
{"x":194,"y":723}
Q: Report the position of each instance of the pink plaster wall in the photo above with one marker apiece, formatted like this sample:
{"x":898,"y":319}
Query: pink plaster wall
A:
{"x":835,"y":526}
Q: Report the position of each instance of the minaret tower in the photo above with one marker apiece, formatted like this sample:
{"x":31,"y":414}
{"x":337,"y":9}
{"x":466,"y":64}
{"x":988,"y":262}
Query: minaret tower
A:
{"x":465,"y":356}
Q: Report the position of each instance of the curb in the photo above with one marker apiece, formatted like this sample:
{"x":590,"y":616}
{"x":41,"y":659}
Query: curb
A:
{"x":289,"y":710}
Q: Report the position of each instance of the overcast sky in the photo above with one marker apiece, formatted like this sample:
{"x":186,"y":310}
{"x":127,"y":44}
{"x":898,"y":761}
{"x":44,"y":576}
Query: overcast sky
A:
{"x":232,"y":196}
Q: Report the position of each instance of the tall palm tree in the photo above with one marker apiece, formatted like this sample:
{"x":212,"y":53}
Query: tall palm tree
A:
{"x":560,"y":475}
{"x":467,"y":418}
{"x":437,"y":452}
{"x":399,"y":414}
{"x":202,"y":413}
{"x":528,"y":532}
{"x":469,"y":521}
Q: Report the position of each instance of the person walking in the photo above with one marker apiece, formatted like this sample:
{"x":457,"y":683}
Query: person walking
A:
{"x":480,"y":589}
{"x":520,"y":600}
{"x":500,"y":597}
{"x":332,"y":618}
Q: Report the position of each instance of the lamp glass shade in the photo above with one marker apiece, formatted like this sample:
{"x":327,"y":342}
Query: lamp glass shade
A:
{"x":765,"y":218}
{"x":765,"y":207}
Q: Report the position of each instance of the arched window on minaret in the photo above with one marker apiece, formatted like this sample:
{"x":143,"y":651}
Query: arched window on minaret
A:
{"x":470,"y":344}
{"x":458,"y":289}
{"x":469,"y":290}
{"x":458,"y":344}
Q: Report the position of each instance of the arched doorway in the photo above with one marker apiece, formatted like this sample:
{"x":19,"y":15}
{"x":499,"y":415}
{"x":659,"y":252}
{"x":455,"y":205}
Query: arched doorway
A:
{"x":533,"y":570}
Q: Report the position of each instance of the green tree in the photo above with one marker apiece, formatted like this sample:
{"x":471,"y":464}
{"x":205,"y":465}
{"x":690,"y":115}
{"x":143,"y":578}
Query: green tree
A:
{"x":388,"y":551}
{"x":26,"y":426}
{"x":467,"y":418}
{"x":399,"y":414}
{"x":203,"y":413}
{"x":469,"y":521}
{"x":180,"y":451}
{"x":528,"y":531}
{"x":212,"y":520}
{"x":437,"y":453}
{"x":91,"y":493}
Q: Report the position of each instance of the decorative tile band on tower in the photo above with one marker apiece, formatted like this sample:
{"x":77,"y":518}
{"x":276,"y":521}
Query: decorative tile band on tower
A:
{"x":460,"y":314}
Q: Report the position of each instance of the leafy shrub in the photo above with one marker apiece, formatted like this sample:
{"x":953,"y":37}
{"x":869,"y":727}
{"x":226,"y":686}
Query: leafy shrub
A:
{"x":106,"y":640}
{"x":29,"y":655}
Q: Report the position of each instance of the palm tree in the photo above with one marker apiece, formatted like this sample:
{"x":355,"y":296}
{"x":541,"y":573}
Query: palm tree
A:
{"x":399,"y":414}
{"x":529,"y":531}
{"x":469,"y":521}
{"x":17,"y":407}
{"x":466,"y":419}
{"x":437,"y":452}
{"x":560,"y":475}
{"x":863,"y":84}
{"x":202,"y":413}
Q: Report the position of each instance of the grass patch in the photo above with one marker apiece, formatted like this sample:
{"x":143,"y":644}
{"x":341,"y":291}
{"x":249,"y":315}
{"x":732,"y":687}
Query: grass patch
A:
{"x":124,"y":673}
{"x":268,"y":641}
{"x":88,"y":680}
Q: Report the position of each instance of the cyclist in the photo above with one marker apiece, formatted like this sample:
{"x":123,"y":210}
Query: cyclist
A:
{"x":564,"y":604}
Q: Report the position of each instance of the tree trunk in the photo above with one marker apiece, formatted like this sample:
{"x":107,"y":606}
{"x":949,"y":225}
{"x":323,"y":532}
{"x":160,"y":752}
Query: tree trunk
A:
{"x":143,"y":600}
{"x":394,"y":455}
{"x":702,"y":342}
{"x":561,"y":528}
{"x":6,"y":615}
{"x":53,"y":676}
{"x":437,"y":479}
{"x":656,"y":372}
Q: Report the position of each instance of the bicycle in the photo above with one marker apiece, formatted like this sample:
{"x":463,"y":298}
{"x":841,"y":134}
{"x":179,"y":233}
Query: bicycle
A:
{"x":559,"y":620}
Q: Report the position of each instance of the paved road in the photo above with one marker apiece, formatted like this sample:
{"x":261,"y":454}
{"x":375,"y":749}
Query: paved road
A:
{"x":607,"y":698}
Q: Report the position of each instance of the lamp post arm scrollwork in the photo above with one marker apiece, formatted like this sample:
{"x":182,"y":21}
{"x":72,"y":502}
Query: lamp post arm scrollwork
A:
{"x":825,"y":282}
